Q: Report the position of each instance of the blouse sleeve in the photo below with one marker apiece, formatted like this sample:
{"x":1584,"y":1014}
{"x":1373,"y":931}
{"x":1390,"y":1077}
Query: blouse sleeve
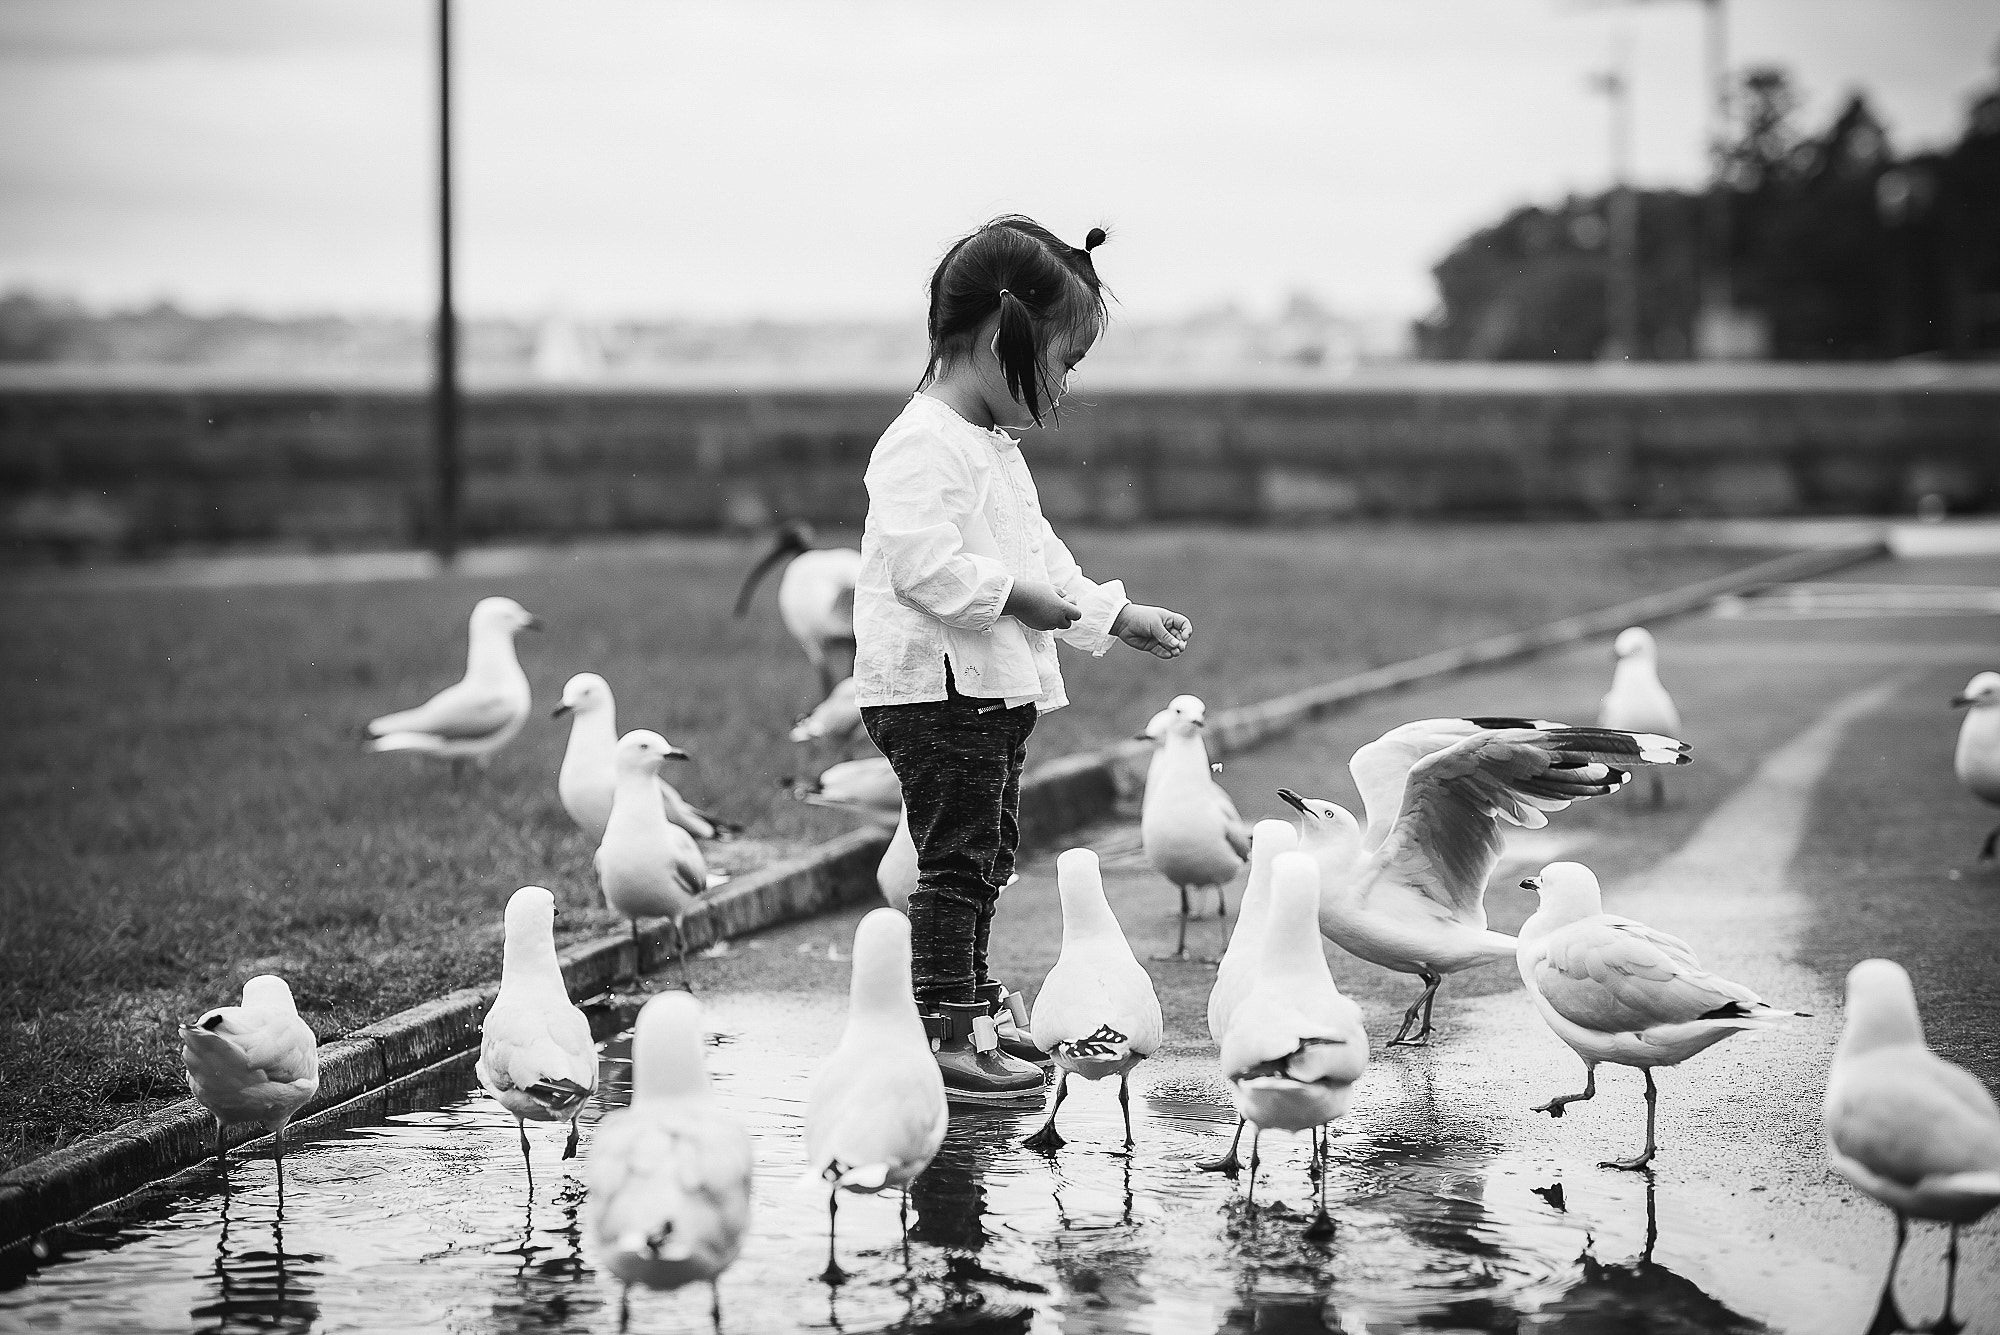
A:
{"x":919,"y":491}
{"x":1100,"y":603}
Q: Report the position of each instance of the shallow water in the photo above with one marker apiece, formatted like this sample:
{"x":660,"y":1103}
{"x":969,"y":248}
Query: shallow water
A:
{"x":418,"y":1216}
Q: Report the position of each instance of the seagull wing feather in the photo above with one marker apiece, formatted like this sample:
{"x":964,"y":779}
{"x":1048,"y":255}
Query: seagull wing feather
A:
{"x":1616,"y":976}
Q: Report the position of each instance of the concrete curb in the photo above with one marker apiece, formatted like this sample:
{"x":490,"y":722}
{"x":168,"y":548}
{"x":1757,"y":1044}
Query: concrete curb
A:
{"x":1057,"y":797}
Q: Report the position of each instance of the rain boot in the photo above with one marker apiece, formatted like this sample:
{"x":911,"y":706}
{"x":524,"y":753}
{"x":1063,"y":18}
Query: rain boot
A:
{"x":967,"y":1046}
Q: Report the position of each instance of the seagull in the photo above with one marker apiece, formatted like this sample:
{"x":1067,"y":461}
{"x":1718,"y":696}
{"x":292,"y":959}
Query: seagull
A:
{"x":1917,"y":1133}
{"x":867,"y":787}
{"x":896,"y":874}
{"x":1416,"y":902}
{"x":647,"y":866}
{"x":836,"y":718}
{"x":1097,"y":1014}
{"x":670,"y":1176}
{"x":876,"y":1113}
{"x":479,"y":715}
{"x":1294,"y":1046}
{"x":535,"y":1052}
{"x":257,"y":1062}
{"x":1238,"y":969}
{"x":815,"y":595}
{"x":1381,"y":768}
{"x":1978,"y":758}
{"x":1636,"y":701}
{"x":1619,"y":991}
{"x":589,"y":771}
{"x":1187,"y":823}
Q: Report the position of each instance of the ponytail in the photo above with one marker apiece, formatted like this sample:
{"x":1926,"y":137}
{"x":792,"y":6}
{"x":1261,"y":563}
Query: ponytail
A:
{"x":1020,"y":353}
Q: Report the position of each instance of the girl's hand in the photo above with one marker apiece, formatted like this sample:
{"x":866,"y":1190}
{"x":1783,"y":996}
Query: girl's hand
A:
{"x":1039,"y":607}
{"x":1159,"y":632}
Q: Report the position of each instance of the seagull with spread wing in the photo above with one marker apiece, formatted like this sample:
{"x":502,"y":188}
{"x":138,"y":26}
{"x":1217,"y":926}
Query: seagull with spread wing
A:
{"x":479,"y":714}
{"x":1619,"y":991}
{"x":536,"y":1055}
{"x":1415,"y":901}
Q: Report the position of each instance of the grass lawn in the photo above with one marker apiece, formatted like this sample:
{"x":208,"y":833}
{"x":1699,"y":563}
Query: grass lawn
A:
{"x":184,"y":801}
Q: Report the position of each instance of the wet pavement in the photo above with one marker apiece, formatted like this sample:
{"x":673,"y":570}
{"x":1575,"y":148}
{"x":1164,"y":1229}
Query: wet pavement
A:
{"x":1820,"y":823}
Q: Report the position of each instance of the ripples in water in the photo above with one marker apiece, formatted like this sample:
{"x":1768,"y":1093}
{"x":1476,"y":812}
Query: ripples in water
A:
{"x":417,"y":1215}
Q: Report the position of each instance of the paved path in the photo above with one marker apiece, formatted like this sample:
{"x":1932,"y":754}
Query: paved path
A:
{"x":1819,"y":824}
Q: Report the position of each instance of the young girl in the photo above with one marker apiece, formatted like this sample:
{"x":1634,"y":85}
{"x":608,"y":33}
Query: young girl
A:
{"x":964,"y":589}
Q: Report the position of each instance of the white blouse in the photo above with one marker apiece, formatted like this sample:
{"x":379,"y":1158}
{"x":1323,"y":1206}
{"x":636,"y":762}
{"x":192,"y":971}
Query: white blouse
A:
{"x":953,"y":521}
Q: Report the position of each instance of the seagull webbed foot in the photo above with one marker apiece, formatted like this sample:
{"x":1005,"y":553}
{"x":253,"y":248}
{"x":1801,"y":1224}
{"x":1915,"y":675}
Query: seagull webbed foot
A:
{"x":1228,"y":1164}
{"x":1636,"y":1163}
{"x":1048,"y":1140}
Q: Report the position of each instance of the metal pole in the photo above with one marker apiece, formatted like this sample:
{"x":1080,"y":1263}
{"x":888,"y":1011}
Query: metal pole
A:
{"x":1621,"y":277}
{"x":444,"y":385}
{"x":1716,"y":21}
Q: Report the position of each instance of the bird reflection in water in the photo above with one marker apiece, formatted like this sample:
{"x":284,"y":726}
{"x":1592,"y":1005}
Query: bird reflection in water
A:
{"x":257,"y":1290}
{"x":1637,"y":1297}
{"x":550,"y":1288}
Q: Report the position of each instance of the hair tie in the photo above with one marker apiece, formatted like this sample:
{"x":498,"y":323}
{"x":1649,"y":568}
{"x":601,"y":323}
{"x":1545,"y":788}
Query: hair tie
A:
{"x":1004,"y":294}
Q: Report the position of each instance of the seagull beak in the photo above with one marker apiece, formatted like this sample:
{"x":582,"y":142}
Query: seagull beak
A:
{"x":675,"y":753}
{"x":535,"y":623}
{"x":1142,"y":737}
{"x":560,"y":710}
{"x":1532,"y":883}
{"x":1292,"y":799}
{"x":1961,"y":700}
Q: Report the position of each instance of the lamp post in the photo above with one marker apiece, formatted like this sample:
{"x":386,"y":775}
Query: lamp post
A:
{"x":1621,"y":269}
{"x":444,"y":381}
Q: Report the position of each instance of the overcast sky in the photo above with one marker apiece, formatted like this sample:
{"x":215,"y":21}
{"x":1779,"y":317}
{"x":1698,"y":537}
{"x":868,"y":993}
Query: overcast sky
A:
{"x":812,"y":157}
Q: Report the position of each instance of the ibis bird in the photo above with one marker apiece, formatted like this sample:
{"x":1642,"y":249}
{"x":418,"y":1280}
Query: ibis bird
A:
{"x":815,"y":597}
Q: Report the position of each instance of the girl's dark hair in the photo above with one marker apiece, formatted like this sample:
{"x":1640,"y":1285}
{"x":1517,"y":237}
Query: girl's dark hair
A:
{"x":1040,"y":285}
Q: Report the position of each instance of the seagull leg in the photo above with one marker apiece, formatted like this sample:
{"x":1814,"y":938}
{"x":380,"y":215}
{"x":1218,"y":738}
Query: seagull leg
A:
{"x":624,"y":1309}
{"x":1645,"y":1156}
{"x":1321,"y":1227}
{"x":221,"y":1163}
{"x":279,"y":1138}
{"x":1986,"y":849}
{"x":1422,"y":1003}
{"x":1125,"y":1106}
{"x":569,"y":1148}
{"x":681,"y":954}
{"x":1888,"y":1317}
{"x":833,"y":1275}
{"x":1949,"y":1324}
{"x":715,"y":1304}
{"x":1222,"y":901}
{"x":1048,"y":1140}
{"x":1554,"y":1107}
{"x":1228,"y":1163}
{"x":526,"y":1162}
{"x":1180,"y":942}
{"x":1659,"y":788}
{"x":1250,"y":1196}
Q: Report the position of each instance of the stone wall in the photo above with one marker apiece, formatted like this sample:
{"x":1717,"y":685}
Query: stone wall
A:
{"x":141,"y":465}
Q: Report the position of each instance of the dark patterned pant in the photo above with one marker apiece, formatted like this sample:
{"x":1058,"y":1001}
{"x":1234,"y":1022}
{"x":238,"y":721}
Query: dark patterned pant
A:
{"x":959,"y":763}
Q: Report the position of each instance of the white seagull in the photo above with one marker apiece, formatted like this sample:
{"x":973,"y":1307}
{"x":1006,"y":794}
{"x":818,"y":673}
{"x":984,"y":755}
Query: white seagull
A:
{"x":867,"y":787}
{"x":1636,"y":701}
{"x":1382,"y":767}
{"x":1238,"y":969}
{"x":481,"y":713}
{"x":535,"y":1051}
{"x":1977,"y":760}
{"x":1416,"y":903}
{"x":1295,"y":1045}
{"x":589,"y":773}
{"x":876,"y":1113}
{"x":1917,"y":1133}
{"x":1619,"y":991}
{"x":834,"y":719}
{"x":815,"y":596}
{"x":257,"y":1062}
{"x":1096,"y":1014}
{"x":1187,"y":823}
{"x":670,"y":1176}
{"x":896,"y":873}
{"x":647,"y":866}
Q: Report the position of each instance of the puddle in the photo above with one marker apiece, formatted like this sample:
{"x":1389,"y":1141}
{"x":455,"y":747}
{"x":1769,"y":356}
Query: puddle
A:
{"x":419,"y":1217}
